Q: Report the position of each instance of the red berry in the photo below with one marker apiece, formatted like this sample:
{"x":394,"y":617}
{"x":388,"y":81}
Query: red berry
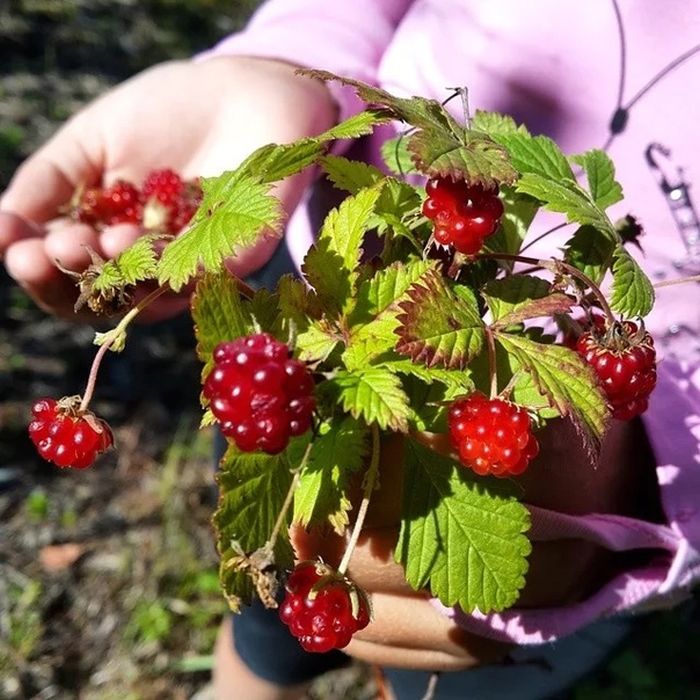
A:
{"x":464,"y":215}
{"x":66,"y":436}
{"x":624,"y":359}
{"x":318,"y":607}
{"x":117,"y":204}
{"x":260,"y":395}
{"x":492,"y":436}
{"x":170,"y":201}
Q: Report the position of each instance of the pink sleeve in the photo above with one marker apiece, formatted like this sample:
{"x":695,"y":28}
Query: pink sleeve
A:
{"x":673,"y":566}
{"x":347,"y":38}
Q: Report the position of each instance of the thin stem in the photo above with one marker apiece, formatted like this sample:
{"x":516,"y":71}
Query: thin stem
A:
{"x":282,"y":517}
{"x":432,"y":685}
{"x":552,"y":265}
{"x":537,"y":239}
{"x":111,"y":336}
{"x":491,"y":346}
{"x":678,"y":280}
{"x":367,"y":494}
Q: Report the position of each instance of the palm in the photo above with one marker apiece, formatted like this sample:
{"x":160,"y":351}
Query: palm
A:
{"x":198,"y":118}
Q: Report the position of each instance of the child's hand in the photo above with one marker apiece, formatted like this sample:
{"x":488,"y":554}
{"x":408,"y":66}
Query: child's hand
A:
{"x":198,"y":118}
{"x":407,"y":631}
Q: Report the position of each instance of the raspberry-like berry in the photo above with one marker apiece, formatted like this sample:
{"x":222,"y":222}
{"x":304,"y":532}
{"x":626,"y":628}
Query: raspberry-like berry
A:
{"x":492,"y":436}
{"x":120,"y":204}
{"x":623,"y":357}
{"x":65,"y":436}
{"x":463,"y":215}
{"x":322,"y":608}
{"x":260,"y":395}
{"x":170,"y":201}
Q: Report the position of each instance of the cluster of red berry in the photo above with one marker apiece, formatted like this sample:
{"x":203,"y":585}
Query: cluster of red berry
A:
{"x":492,"y":436}
{"x":464,"y":215}
{"x":318,"y":607}
{"x":624,"y":359}
{"x":165,"y":202}
{"x":66,"y":436}
{"x":260,"y":395}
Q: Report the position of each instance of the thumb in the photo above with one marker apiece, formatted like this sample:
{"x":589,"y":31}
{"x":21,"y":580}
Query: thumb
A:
{"x":47,"y":179}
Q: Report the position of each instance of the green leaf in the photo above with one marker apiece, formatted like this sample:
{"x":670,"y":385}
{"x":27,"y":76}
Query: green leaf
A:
{"x":471,"y":156}
{"x":568,"y":383}
{"x":632,"y":292}
{"x":235,"y":213}
{"x":372,"y":342}
{"x":331,"y":264}
{"x":317,"y":342}
{"x":439,"y":326}
{"x":337,"y":453}
{"x":219,"y":314}
{"x":535,"y":155}
{"x":461,"y":536}
{"x":387,"y":287}
{"x":590,"y":251}
{"x":350,"y":175}
{"x":417,"y":111}
{"x":493,"y":123}
{"x":568,"y":198}
{"x":600,"y":173}
{"x":135,"y":264}
{"x":519,"y":214}
{"x":265,"y":311}
{"x":517,"y":298}
{"x":374,"y":394}
{"x":252,"y":489}
{"x":456,"y":380}
{"x":361,"y":124}
{"x":297,"y":301}
{"x":397,"y":157}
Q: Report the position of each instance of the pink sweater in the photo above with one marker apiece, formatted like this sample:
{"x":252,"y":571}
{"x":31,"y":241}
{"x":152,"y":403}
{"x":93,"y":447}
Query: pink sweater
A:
{"x":554,"y":66}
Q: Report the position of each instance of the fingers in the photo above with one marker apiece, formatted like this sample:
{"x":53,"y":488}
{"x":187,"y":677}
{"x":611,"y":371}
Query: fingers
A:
{"x":14,"y":228}
{"x":48,"y":179}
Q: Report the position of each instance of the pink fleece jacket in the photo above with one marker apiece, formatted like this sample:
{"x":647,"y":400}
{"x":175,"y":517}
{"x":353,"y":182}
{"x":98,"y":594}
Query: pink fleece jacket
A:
{"x":556,"y":67}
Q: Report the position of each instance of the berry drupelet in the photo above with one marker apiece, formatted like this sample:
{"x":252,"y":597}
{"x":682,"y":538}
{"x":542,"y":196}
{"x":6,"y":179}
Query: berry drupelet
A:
{"x":66,"y":436}
{"x":261,"y":396}
{"x":463,"y":215}
{"x":492,"y":436}
{"x":322,"y":608}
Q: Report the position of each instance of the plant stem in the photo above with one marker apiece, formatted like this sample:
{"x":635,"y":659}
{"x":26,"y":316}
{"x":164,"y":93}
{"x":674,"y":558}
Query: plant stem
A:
{"x":537,"y":239}
{"x":678,"y":280}
{"x":554,"y":266}
{"x":491,"y":346}
{"x":281,"y":518}
{"x":364,"y":505}
{"x":111,"y":336}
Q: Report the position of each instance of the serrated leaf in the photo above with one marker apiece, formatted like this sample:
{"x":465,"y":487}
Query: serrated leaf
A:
{"x":361,"y":124}
{"x":374,"y":394}
{"x":219,"y":314}
{"x":494,"y":123}
{"x":252,"y":489}
{"x":455,"y":380}
{"x":472,"y":156}
{"x":517,"y":298}
{"x":438,"y":327}
{"x":535,"y":155}
{"x":600,"y":173}
{"x":135,"y":264}
{"x":388,"y":286}
{"x":515,"y":223}
{"x":590,"y":251}
{"x":337,"y":452}
{"x":264,"y":309}
{"x":331,"y":264}
{"x":350,"y":175}
{"x":568,"y":383}
{"x":236,"y":211}
{"x":632,"y":292}
{"x":461,"y":536}
{"x":396,"y":156}
{"x":297,"y":301}
{"x":317,"y":341}
{"x":568,"y":198}
{"x":417,"y":111}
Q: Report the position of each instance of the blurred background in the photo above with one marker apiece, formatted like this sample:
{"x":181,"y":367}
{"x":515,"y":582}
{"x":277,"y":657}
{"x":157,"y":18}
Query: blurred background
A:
{"x":108,"y":584}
